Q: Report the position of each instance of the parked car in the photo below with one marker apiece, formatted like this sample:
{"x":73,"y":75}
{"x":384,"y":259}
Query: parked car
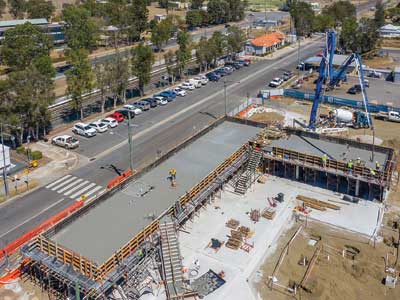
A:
{"x":245,"y":63}
{"x":355,"y":89}
{"x":229,"y":69}
{"x":65,"y":141}
{"x":287,"y":75}
{"x":204,"y":79}
{"x":143,"y":105}
{"x":201,"y":80}
{"x":133,"y":108}
{"x":276,"y":82}
{"x":187,"y":86}
{"x":151,"y":101}
{"x":126,"y":113}
{"x":375,"y":74}
{"x":301,"y":66}
{"x":161,"y":100}
{"x":221,"y":72}
{"x":195,"y":82}
{"x":111,"y":122}
{"x":117,"y":116}
{"x":84,"y":130}
{"x":180,"y":92}
{"x":99,"y":126}
{"x":168,"y":94}
{"x":212,"y":76}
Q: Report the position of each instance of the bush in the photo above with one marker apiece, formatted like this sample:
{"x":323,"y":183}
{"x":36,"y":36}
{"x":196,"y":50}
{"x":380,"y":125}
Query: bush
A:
{"x":21,"y":150}
{"x":36,"y":155}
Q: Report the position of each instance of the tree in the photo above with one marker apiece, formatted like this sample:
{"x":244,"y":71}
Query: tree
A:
{"x":103,"y":73}
{"x":17,"y":8}
{"x":323,"y":22}
{"x":196,"y":4}
{"x":184,"y":53}
{"x":23,"y":46}
{"x":81,"y":30}
{"x":348,"y":35}
{"x":169,"y":58}
{"x":218,"y":11}
{"x":217,"y":45}
{"x":303,"y":17}
{"x":340,"y":11}
{"x":120,"y":77}
{"x":194,"y":18}
{"x":379,"y":14}
{"x":80,"y":77}
{"x":40,"y":9}
{"x":3,"y":6}
{"x":236,"y":10}
{"x":162,"y":32}
{"x":138,"y":14}
{"x":203,"y":53}
{"x":142,"y":62}
{"x":368,"y":36}
{"x":164,"y":4}
{"x":236,"y":40}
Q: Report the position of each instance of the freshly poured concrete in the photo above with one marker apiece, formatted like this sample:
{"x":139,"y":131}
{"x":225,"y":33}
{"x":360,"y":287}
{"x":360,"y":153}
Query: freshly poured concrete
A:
{"x":109,"y":226}
{"x":334,"y":151}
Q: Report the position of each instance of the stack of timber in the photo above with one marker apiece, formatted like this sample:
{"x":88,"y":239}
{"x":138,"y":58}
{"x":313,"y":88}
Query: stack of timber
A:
{"x":245,"y":231}
{"x":268,"y":213}
{"x":316,"y":204}
{"x":255,"y":215}
{"x":235,"y":241}
{"x":232,"y":223}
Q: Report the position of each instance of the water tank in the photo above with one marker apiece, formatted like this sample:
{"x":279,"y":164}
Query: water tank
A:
{"x":342,"y":115}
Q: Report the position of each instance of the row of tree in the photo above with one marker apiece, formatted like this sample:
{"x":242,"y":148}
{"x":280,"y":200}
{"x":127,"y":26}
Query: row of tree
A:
{"x":357,"y":36}
{"x":30,"y":8}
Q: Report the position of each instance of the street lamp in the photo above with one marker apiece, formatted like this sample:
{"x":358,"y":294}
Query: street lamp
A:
{"x":130,"y":142}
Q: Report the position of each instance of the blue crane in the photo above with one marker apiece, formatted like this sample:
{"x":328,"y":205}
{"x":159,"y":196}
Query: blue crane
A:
{"x":326,"y":70}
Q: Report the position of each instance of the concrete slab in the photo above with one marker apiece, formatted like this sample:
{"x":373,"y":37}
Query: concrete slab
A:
{"x":335,"y":151}
{"x":107,"y":227}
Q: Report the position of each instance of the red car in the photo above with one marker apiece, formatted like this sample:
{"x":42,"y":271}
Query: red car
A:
{"x":117,"y":116}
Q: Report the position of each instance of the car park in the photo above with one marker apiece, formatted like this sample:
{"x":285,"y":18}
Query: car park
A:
{"x":276,"y":82}
{"x":84,"y":130}
{"x":212,"y":76}
{"x":65,"y":141}
{"x":110,"y":122}
{"x":180,"y":92}
{"x":117,"y":116}
{"x":161,"y":100}
{"x":151,"y":101}
{"x":133,"y":108}
{"x":99,"y":126}
{"x":126,"y":113}
{"x":187,"y":86}
{"x":143,"y":105}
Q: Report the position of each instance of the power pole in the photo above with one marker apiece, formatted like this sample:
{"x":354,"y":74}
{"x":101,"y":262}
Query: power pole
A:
{"x":130,"y":142}
{"x":4,"y":162}
{"x":225,"y":99}
{"x":298,"y":55}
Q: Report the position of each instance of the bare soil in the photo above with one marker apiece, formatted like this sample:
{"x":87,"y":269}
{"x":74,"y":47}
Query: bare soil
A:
{"x":22,"y":291}
{"x":392,"y":43}
{"x":380,"y":62}
{"x":333,"y":276}
{"x":267,"y":117}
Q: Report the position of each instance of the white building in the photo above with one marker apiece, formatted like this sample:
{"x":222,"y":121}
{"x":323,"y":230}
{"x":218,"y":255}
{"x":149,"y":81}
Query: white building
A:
{"x":6,"y":155}
{"x":389,"y":31}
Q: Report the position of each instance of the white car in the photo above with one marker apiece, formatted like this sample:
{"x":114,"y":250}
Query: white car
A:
{"x":110,"y":122}
{"x":204,"y":79}
{"x":136,"y":110}
{"x":161,"y":100}
{"x":180,"y":92}
{"x":66,"y":141}
{"x":276,"y":82}
{"x":99,"y":126}
{"x":84,"y":129}
{"x":201,"y":80}
{"x":195,"y":82}
{"x":187,"y":86}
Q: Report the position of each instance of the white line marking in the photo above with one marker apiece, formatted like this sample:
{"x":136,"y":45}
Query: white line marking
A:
{"x":64,"y":183}
{"x":80,"y":192}
{"x":31,"y":218}
{"x":94,"y":190}
{"x":76,"y":187}
{"x":73,"y":183}
{"x":57,"y":181}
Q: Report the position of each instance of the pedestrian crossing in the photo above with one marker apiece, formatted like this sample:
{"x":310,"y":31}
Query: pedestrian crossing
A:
{"x":74,"y":187}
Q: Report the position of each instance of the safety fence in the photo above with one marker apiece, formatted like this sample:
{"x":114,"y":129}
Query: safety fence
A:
{"x":372,"y":107}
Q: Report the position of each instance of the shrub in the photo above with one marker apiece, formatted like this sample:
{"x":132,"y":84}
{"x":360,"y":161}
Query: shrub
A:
{"x":21,"y":150}
{"x":36,"y":155}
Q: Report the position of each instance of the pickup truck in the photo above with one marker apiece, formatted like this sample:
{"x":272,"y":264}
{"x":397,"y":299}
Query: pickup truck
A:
{"x":65,"y":141}
{"x":391,"y":115}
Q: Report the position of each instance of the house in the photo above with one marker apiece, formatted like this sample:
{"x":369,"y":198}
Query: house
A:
{"x":265,"y":43}
{"x":389,"y":31}
{"x":159,"y":18}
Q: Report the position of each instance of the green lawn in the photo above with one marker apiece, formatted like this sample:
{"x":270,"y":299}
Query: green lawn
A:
{"x":260,"y":4}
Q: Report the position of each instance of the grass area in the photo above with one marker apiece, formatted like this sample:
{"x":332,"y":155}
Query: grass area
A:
{"x":22,"y":188}
{"x":391,"y":43}
{"x":380,"y":62}
{"x":260,"y":5}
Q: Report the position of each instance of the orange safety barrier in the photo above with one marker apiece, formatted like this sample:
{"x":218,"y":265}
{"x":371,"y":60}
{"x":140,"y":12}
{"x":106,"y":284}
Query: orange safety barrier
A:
{"x":13,"y":274}
{"x":119,"y":179}
{"x":16,"y":244}
{"x":244,"y":112}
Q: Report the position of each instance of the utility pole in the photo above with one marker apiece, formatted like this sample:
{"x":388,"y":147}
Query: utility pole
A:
{"x":298,"y":55}
{"x":130,"y":142}
{"x":225,"y":99}
{"x":4,"y":162}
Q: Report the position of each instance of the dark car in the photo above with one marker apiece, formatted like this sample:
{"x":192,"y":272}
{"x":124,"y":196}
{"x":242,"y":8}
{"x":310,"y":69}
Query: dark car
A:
{"x":212,"y":76}
{"x":151,"y":101}
{"x":126,"y":113}
{"x":287,"y":75}
{"x":221,"y":72}
{"x":243,"y":63}
{"x":232,"y":64}
{"x":354,"y":89}
{"x":168,"y":94}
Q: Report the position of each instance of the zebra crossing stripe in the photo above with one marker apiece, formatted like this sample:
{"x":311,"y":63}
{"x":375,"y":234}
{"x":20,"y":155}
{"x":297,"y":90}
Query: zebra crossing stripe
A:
{"x":73,"y":183}
{"x":63,"y":183}
{"x":57,"y":181}
{"x":76,"y":187}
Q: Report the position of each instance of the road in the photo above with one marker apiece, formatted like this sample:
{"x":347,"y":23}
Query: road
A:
{"x":157,"y":132}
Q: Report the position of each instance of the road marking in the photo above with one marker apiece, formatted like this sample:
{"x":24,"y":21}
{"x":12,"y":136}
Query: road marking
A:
{"x":183,"y":111}
{"x":63,"y":183}
{"x":57,"y":181}
{"x":81,"y":191}
{"x":75,"y":187}
{"x":31,"y":218}
{"x":94,"y":190}
{"x":60,"y":191}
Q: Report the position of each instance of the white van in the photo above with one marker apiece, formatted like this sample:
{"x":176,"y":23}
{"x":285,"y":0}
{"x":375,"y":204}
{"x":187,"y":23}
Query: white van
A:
{"x":195,"y":82}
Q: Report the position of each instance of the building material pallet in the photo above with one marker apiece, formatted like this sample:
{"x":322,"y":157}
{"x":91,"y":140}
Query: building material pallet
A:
{"x":317,"y":204}
{"x":268,"y":213}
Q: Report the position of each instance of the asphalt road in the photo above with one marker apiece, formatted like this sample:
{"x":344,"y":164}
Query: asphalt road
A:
{"x":158,"y":131}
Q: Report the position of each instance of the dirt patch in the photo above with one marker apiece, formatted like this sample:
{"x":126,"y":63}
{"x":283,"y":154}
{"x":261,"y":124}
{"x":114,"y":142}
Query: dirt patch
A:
{"x":355,"y":276}
{"x":380,"y":62}
{"x":267,"y":117}
{"x":392,"y":43}
{"x":156,"y":10}
{"x":22,"y":290}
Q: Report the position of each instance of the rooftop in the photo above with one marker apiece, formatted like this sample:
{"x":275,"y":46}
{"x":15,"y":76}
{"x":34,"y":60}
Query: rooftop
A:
{"x":12,"y":23}
{"x":111,"y":224}
{"x":268,"y":40}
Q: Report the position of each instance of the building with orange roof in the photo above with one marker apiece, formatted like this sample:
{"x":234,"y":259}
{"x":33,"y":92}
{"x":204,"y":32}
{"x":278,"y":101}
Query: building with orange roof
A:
{"x":265,"y":43}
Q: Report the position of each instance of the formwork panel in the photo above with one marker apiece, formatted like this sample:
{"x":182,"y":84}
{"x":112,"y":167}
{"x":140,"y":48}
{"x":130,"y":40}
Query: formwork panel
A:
{"x":107,"y":227}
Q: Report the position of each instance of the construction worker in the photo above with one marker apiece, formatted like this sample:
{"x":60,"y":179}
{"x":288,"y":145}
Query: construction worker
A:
{"x":373,"y":173}
{"x":172,"y":173}
{"x":350,"y":166}
{"x":377,"y":165}
{"x":324,"y":159}
{"x":358,"y":161}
